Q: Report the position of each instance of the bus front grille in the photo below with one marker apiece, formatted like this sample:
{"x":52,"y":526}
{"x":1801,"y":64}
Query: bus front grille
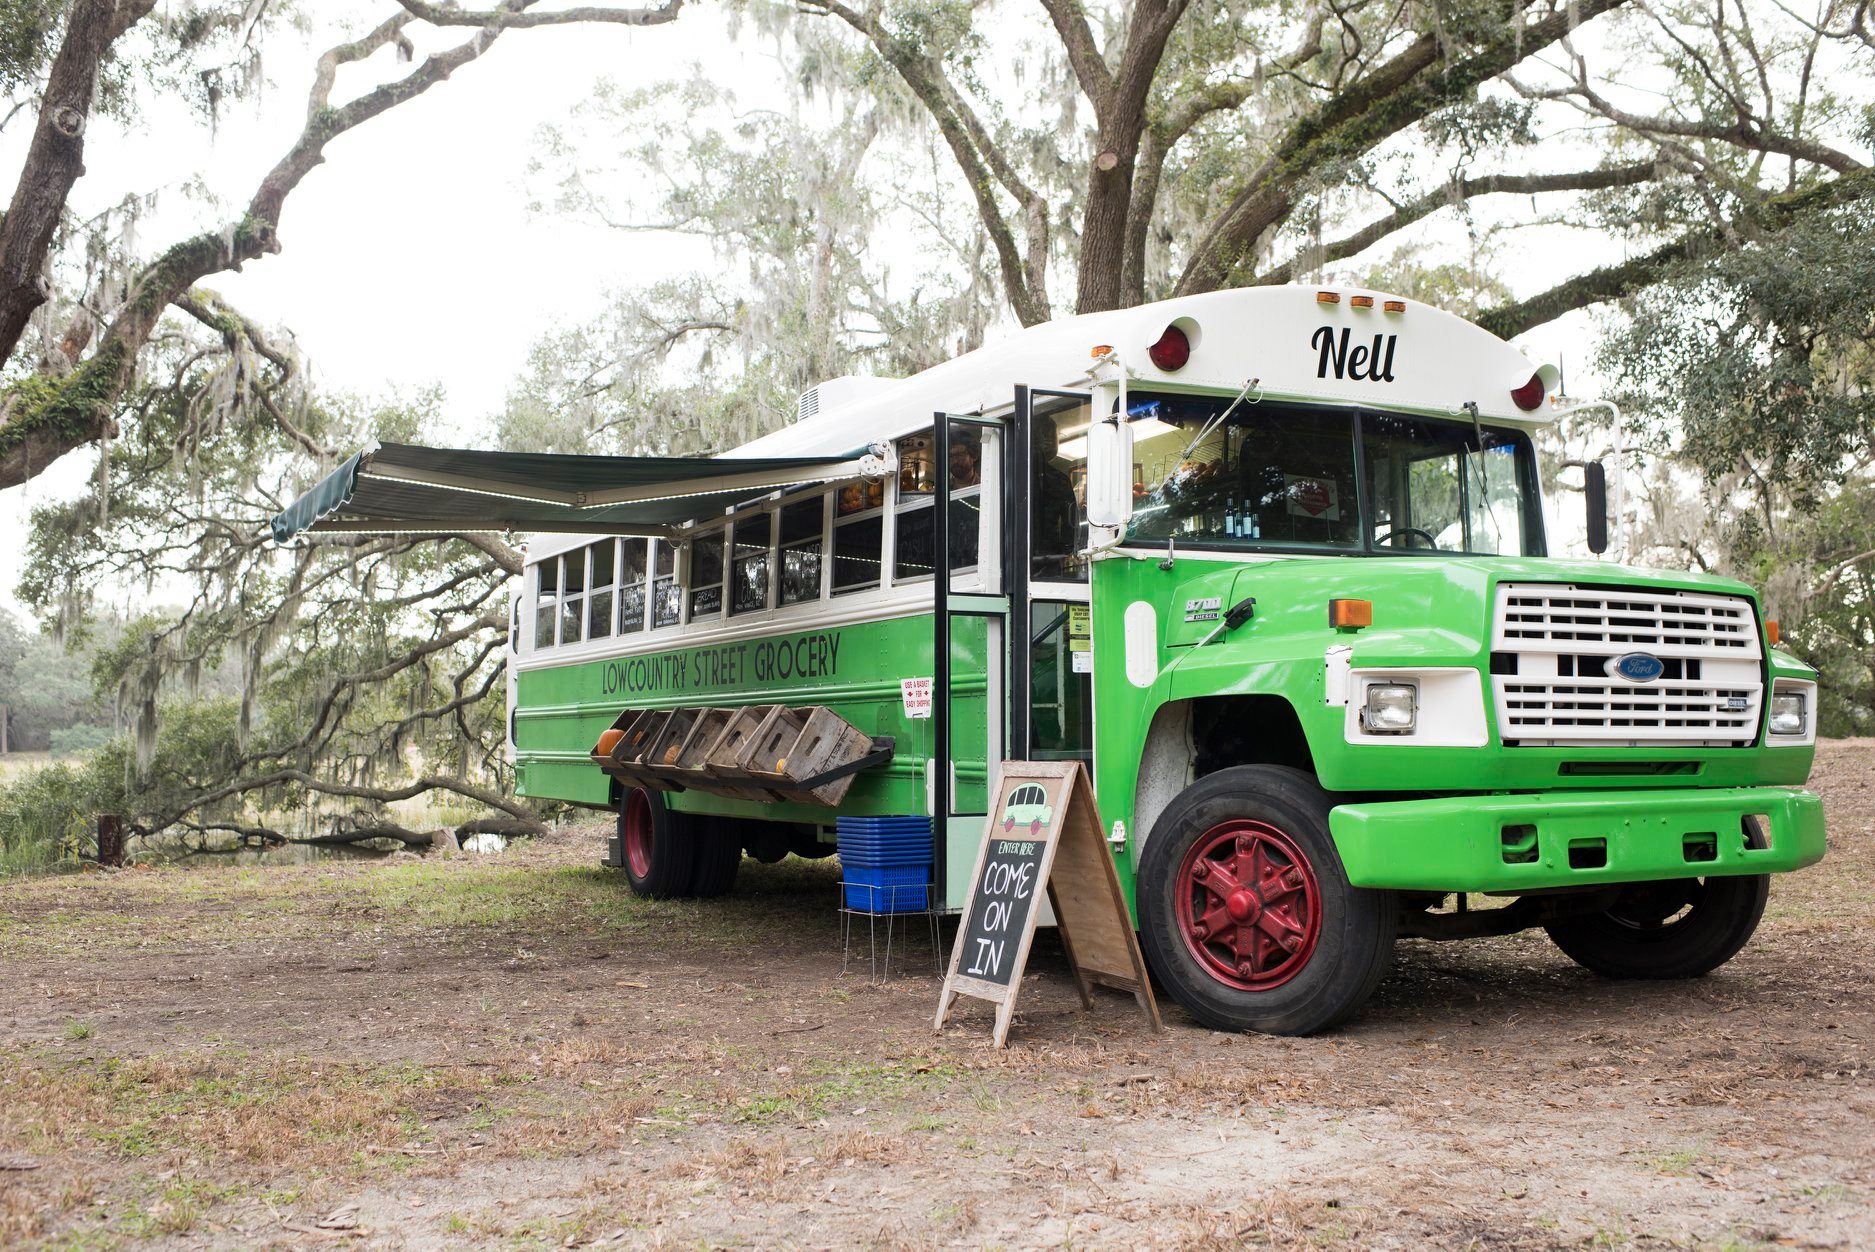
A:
{"x":1555,"y":648}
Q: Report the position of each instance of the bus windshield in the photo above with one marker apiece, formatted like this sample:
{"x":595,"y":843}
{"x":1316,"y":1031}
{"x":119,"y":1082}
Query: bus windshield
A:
{"x":1285,"y":476}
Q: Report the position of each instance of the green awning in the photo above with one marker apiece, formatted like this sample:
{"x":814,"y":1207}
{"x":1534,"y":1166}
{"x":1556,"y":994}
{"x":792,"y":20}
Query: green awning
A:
{"x":402,"y":488}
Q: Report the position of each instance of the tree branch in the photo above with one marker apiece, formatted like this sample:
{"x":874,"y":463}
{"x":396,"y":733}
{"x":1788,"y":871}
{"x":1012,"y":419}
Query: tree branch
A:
{"x":1458,"y":192}
{"x":503,"y":18}
{"x":1611,"y":282}
{"x":1399,"y":94}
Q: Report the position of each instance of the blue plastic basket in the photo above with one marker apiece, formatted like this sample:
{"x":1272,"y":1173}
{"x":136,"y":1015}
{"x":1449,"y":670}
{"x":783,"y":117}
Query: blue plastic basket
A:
{"x":887,"y":898}
{"x":888,"y":875}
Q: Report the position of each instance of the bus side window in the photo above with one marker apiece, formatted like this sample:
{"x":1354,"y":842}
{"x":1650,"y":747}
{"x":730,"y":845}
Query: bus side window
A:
{"x":1058,"y":494}
{"x":631,"y":586}
{"x":667,"y":598}
{"x":801,"y":525}
{"x":858,"y":536}
{"x":572,"y":594}
{"x":546,"y":602}
{"x":914,"y":548}
{"x":706,"y":575}
{"x":966,"y":470}
{"x":915,"y":528}
{"x":599,"y":599}
{"x":749,"y":562}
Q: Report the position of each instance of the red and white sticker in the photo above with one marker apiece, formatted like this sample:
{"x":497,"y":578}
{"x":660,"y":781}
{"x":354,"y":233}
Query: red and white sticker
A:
{"x":1312,"y":497}
{"x":916,"y":693}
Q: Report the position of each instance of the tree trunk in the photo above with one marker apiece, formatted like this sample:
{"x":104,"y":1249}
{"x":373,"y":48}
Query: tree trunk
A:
{"x":55,"y":159}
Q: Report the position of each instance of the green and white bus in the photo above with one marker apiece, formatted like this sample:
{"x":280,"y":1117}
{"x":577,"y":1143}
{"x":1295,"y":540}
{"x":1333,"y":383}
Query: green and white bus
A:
{"x":1271,"y":562}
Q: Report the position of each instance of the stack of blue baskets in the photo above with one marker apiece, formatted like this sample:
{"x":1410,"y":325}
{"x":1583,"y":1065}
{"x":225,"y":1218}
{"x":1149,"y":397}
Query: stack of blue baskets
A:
{"x":886,"y":863}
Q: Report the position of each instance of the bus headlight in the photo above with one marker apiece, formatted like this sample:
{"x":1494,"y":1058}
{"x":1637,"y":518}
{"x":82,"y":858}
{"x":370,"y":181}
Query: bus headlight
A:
{"x":1789,"y":713}
{"x":1391,"y":709}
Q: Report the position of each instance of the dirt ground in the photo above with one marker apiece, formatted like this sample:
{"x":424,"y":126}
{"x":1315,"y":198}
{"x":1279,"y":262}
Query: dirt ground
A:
{"x":512,"y":1051}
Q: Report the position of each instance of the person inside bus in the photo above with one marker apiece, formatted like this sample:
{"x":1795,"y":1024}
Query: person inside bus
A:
{"x":966,"y":459}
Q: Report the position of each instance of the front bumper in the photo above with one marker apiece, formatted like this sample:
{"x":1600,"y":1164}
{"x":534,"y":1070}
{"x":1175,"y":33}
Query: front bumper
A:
{"x":1530,"y":841}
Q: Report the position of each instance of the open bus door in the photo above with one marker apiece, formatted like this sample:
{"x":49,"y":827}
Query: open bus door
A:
{"x":1022,"y":621}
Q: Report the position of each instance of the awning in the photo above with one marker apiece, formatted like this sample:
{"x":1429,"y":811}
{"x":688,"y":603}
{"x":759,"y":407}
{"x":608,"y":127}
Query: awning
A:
{"x":405,"y":489}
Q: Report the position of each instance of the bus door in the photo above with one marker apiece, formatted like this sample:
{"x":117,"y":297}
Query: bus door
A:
{"x":970,"y":653}
{"x":1012,"y":658}
{"x":1051,"y":693}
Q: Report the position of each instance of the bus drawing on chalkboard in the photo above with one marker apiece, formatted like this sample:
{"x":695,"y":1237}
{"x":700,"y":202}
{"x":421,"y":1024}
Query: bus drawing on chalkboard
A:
{"x":1272,"y":563}
{"x":1027,"y":806}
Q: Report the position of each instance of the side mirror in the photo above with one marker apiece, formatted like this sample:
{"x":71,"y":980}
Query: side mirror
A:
{"x":1109,"y":473}
{"x":1595,"y":493}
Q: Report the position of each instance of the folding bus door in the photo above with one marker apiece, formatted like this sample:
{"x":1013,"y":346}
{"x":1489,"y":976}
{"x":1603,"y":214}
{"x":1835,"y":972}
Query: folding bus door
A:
{"x":970,"y":654}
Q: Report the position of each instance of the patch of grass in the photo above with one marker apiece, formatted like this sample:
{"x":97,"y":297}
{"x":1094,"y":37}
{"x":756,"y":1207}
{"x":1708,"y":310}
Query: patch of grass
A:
{"x":79,"y":1030}
{"x":1679,"y":1163}
{"x":176,"y":1208}
{"x":212,"y":1107}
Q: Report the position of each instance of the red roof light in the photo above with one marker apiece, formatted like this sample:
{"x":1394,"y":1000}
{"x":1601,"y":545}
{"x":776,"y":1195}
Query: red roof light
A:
{"x":1172,"y":350}
{"x":1530,"y":395}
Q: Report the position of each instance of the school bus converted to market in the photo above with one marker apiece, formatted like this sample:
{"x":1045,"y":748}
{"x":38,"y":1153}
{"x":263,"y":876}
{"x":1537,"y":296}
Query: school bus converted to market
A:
{"x":1271,"y":562}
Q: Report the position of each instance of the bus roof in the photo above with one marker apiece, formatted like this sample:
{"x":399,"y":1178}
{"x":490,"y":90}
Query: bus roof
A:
{"x":1333,"y":345}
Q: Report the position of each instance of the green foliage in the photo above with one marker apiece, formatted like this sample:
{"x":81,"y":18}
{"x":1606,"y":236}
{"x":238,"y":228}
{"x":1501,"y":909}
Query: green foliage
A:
{"x":44,"y":685}
{"x":1763,"y":357}
{"x":28,"y":35}
{"x":82,"y":737}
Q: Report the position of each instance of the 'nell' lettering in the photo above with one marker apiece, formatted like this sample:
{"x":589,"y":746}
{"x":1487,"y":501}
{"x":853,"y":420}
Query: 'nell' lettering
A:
{"x":1363,"y":364}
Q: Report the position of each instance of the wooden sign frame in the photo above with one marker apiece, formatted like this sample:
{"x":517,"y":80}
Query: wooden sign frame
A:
{"x":1083,"y":889}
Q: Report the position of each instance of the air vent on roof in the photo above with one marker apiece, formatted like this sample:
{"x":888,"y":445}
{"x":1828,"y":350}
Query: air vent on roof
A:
{"x":838,"y":392}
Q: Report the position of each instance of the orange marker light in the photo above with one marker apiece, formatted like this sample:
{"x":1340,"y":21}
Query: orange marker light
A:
{"x":1395,"y":306}
{"x":1770,"y":629}
{"x":1100,"y":350}
{"x":1328,"y":297}
{"x":1350,"y":614}
{"x":1361,"y":302}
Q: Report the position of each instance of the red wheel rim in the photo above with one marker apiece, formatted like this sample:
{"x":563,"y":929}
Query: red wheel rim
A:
{"x":1248,"y":904}
{"x":638,"y":832}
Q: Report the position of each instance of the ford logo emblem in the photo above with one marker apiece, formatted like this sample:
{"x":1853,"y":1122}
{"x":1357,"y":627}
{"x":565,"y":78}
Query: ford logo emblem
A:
{"x":1637,"y":667}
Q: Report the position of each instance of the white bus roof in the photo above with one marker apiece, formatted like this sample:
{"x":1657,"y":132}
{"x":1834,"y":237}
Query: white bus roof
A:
{"x":1292,"y":339}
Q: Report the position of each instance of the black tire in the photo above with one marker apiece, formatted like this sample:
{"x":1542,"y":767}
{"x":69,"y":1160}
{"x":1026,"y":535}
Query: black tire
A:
{"x":718,"y":844}
{"x":804,"y":841}
{"x":1282,"y":814}
{"x":767,"y":842}
{"x":655,"y":844}
{"x":1679,"y":928}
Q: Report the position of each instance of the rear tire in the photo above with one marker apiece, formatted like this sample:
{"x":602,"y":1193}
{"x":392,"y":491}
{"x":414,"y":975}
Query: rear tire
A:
{"x":718,"y":851}
{"x":655,"y":845}
{"x":1679,"y":928}
{"x":1245,"y":911}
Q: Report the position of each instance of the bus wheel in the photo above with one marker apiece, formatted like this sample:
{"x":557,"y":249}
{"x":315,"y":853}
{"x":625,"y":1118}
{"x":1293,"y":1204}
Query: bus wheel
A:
{"x":717,"y":843}
{"x":1246,"y":913}
{"x":659,"y":859}
{"x":1679,"y":928}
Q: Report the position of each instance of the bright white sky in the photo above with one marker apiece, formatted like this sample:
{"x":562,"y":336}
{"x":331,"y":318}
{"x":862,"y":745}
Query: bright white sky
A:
{"x":410,"y":257}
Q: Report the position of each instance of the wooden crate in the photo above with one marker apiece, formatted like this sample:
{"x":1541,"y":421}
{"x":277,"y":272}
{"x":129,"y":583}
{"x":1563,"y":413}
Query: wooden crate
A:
{"x":660,"y":759}
{"x":621,"y":724}
{"x":825,"y":741}
{"x":627,"y":759}
{"x":724,"y":760}
{"x":704,"y":732}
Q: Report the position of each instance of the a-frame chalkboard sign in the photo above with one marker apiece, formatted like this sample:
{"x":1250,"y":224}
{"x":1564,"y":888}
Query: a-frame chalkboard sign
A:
{"x":1043,"y":833}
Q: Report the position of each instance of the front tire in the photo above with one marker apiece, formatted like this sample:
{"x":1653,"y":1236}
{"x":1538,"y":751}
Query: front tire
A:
{"x":1245,"y":911}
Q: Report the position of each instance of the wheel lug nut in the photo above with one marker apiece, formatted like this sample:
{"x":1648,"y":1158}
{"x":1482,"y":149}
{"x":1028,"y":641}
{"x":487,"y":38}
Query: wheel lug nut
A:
{"x":1201,"y":870}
